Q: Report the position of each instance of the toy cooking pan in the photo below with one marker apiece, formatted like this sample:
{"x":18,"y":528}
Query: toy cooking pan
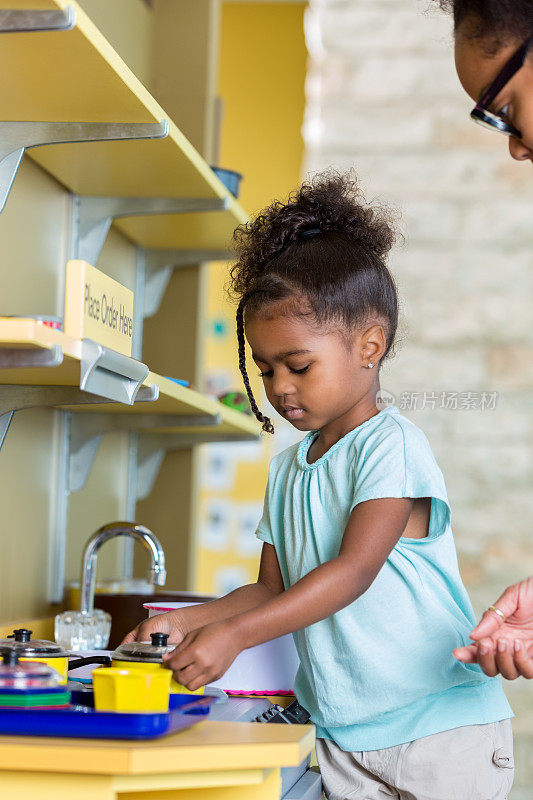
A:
{"x":148,"y":656}
{"x":45,"y":652}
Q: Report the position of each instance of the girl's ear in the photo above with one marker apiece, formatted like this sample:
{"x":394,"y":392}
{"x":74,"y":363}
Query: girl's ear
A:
{"x":373,"y":345}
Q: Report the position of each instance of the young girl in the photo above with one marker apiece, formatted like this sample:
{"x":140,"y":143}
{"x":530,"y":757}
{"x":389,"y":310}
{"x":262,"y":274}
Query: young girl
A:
{"x":358,"y":559}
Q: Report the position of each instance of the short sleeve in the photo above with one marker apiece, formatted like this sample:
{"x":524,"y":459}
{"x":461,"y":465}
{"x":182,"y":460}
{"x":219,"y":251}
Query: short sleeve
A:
{"x":398,"y":462}
{"x":264,"y":529}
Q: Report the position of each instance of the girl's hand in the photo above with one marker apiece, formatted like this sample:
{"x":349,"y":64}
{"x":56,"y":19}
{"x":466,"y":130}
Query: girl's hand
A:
{"x":504,"y":646}
{"x":205,"y":654}
{"x":172,"y":623}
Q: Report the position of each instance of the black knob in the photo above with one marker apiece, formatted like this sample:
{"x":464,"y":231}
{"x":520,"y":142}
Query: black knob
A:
{"x":159,"y":639}
{"x":22,"y":635}
{"x":9,"y":658}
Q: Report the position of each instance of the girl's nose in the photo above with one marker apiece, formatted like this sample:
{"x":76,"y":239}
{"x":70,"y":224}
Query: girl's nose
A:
{"x":518,"y":150}
{"x":282,"y":385}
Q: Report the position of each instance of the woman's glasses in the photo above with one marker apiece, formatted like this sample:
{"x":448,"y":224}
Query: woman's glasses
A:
{"x":481,"y":113}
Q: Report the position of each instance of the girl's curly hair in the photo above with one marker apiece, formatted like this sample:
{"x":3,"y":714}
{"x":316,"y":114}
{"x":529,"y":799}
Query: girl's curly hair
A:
{"x":320,"y":255}
{"x":493,"y":20}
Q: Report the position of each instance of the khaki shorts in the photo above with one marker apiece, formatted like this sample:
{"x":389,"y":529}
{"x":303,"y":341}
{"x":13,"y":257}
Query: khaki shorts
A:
{"x":470,"y":763}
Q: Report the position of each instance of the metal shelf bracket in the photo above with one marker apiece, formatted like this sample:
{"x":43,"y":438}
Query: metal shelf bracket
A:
{"x":153,"y":448}
{"x":17,"y":137}
{"x":95,"y":215}
{"x":5,"y":422}
{"x":86,"y":431}
{"x":110,"y":374}
{"x":159,"y":266}
{"x":31,"y":20}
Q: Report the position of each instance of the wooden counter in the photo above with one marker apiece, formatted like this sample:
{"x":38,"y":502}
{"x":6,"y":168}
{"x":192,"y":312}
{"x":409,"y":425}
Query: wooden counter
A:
{"x":210,"y":761}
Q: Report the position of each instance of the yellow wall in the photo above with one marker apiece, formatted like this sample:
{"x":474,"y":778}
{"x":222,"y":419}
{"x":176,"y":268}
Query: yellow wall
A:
{"x":261,"y":82}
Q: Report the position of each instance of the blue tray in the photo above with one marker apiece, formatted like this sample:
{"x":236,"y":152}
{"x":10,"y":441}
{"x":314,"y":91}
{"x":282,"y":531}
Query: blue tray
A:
{"x":83,"y":721}
{"x":175,"y":700}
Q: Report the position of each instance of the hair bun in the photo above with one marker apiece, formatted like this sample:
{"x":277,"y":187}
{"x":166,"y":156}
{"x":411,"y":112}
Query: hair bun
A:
{"x":329,"y":203}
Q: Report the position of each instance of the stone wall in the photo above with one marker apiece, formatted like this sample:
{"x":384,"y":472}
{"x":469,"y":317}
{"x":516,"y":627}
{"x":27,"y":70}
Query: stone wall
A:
{"x":383,"y":98}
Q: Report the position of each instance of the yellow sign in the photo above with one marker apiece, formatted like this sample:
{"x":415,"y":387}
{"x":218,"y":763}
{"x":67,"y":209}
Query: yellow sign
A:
{"x":98,"y":307}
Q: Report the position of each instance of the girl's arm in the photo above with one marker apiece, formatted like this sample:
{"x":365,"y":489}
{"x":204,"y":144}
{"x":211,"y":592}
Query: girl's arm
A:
{"x":182,"y":621}
{"x":372,"y":531}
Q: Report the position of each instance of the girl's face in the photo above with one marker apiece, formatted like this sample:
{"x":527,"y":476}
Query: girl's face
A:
{"x":477,"y":70}
{"x":313,"y":378}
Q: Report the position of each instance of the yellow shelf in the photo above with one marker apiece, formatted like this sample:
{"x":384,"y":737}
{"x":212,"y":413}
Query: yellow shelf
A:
{"x":24,"y":334}
{"x":77,"y":76}
{"x":174,"y":400}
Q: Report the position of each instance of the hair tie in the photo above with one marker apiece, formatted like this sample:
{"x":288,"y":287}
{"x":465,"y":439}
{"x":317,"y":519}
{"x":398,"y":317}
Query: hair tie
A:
{"x":312,"y":232}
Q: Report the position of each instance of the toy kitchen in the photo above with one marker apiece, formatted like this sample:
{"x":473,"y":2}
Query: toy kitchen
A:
{"x":59,"y":699}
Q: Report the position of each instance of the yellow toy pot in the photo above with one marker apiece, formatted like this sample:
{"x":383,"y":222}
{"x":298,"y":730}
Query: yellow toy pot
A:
{"x":41,"y":650}
{"x":148,"y":656}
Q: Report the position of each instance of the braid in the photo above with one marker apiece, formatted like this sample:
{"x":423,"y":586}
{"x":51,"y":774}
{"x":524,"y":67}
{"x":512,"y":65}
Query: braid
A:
{"x":267,"y":425}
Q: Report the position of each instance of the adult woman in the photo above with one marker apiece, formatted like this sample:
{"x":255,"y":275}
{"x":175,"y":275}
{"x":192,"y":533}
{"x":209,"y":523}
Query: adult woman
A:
{"x":494,"y":61}
{"x":504,"y":637}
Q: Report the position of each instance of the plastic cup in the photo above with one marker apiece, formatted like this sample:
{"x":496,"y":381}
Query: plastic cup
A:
{"x":131,"y":690}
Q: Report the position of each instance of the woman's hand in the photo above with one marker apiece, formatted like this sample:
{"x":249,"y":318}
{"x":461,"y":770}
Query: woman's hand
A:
{"x":172,"y":623}
{"x":205,"y":654}
{"x":504,"y":646}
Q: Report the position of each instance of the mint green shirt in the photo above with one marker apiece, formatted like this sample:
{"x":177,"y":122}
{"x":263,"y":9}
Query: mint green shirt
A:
{"x":380,"y":672}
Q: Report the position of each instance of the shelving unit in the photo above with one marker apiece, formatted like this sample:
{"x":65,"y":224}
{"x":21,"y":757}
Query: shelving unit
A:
{"x":76,"y":75}
{"x":172,"y":408}
{"x":60,"y":75}
{"x":40,"y":366}
{"x":68,"y":88}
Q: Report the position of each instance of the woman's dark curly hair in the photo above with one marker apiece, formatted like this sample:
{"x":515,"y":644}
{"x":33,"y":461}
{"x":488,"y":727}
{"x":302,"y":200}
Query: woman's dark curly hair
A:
{"x":320,"y":255}
{"x":496,"y":20}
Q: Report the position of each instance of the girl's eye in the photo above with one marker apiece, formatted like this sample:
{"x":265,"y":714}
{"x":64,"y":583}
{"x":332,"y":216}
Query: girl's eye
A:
{"x":301,"y":371}
{"x":270,"y":372}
